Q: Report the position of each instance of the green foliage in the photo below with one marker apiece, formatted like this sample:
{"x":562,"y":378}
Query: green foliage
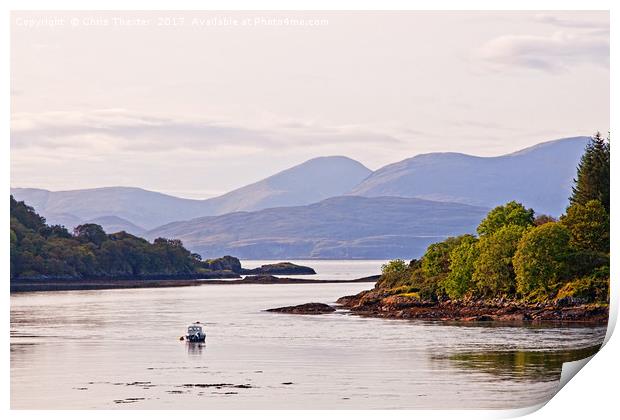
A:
{"x":90,"y":232}
{"x":39,"y":251}
{"x":593,"y":288}
{"x":436,"y":260}
{"x":26,"y":215}
{"x":394,"y":273}
{"x":541,"y":261}
{"x":394,"y":266}
{"x":588,"y":225}
{"x":592,"y":181}
{"x":462,"y":261}
{"x":511,"y":213}
{"x":493,"y":271}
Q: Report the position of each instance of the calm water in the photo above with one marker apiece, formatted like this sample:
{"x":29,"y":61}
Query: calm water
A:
{"x":329,"y":269}
{"x":120,"y":349}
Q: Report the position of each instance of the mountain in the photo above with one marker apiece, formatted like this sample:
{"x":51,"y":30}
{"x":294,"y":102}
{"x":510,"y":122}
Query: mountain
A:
{"x":539,"y":177}
{"x":144,"y":209}
{"x":339,"y":227}
{"x":136,"y":209}
{"x":310,"y":182}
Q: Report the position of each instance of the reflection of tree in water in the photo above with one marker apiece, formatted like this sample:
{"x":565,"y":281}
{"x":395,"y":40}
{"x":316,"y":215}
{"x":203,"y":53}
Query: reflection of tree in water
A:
{"x":520,"y":365}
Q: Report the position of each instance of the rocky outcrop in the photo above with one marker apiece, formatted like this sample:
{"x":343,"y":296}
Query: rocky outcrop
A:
{"x":280,"y":269}
{"x":305,"y":309}
{"x":377,"y":303}
{"x":225,"y":263}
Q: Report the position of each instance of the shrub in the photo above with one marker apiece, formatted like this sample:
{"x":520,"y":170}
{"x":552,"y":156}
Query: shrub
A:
{"x":589,"y":289}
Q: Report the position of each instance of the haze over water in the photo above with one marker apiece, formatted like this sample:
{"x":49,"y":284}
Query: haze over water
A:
{"x":121,"y":349}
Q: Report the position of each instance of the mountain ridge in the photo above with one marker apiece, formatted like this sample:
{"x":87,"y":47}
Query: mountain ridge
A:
{"x":337,"y":227}
{"x":310,"y":181}
{"x":539,"y":176}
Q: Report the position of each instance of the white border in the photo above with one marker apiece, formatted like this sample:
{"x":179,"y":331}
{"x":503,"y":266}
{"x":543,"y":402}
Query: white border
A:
{"x":593,"y":394}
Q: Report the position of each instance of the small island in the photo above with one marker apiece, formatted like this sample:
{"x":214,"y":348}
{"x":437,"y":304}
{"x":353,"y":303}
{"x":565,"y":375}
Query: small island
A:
{"x":280,"y":269}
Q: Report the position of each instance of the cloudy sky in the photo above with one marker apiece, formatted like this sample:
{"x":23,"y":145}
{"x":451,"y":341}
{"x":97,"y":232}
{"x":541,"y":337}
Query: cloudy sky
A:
{"x":198,"y":103}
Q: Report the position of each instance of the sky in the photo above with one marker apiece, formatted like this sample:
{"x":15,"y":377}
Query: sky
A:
{"x":195,"y":104}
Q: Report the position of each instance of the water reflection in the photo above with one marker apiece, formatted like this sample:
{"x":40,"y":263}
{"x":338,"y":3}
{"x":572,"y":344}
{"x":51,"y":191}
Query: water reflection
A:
{"x":132,"y":355}
{"x":519,"y":365}
{"x":194,"y":349}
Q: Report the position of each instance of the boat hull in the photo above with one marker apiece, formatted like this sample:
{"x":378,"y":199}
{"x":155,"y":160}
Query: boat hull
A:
{"x":200,"y":338}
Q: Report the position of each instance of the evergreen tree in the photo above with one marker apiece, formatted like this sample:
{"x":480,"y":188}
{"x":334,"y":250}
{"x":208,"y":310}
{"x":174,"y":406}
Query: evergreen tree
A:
{"x":592,"y":181}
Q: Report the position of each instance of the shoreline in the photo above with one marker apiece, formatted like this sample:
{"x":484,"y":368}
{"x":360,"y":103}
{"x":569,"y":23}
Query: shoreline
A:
{"x":369,"y":304}
{"x":104,"y":284}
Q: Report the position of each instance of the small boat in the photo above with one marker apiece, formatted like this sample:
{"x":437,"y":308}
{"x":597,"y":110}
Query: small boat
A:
{"x":195,"y":334}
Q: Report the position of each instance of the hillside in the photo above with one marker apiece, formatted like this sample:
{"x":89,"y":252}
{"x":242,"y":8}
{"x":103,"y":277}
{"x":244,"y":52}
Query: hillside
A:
{"x":539,"y":177}
{"x":310,"y":182}
{"x":40,"y":252}
{"x":340,"y":227}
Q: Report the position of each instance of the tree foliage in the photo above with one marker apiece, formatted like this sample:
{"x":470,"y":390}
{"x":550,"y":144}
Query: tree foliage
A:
{"x":588,"y":225}
{"x":42,"y":251}
{"x":592,"y":181}
{"x":493,"y":270}
{"x":511,"y":213}
{"x":436,"y":260}
{"x":542,"y":258}
{"x":462,"y":265}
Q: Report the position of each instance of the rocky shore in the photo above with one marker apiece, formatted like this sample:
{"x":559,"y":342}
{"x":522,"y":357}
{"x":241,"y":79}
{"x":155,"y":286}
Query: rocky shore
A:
{"x":375,"y":303}
{"x":305,"y":309}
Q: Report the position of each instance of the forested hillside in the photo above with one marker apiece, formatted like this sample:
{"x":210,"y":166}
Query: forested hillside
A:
{"x":41,"y":251}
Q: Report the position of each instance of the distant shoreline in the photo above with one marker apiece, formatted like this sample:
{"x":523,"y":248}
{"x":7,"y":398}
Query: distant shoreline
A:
{"x":103,"y":284}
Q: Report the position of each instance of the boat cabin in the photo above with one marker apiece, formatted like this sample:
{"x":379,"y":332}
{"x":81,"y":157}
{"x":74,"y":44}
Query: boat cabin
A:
{"x":194,"y":329}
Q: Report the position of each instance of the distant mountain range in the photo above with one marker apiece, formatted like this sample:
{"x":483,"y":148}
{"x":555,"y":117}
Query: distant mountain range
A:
{"x":540,"y":177}
{"x":312,"y":181}
{"x":303,"y":222}
{"x":339,"y":227}
{"x":136,"y":210}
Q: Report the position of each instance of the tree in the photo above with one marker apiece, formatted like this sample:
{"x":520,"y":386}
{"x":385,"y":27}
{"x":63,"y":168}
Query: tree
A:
{"x":90,"y":232}
{"x":394,"y":266}
{"x":26,"y":215}
{"x":511,"y":213}
{"x":493,"y":270}
{"x":588,"y":225}
{"x":436,"y":260}
{"x":393,"y":273}
{"x":592,"y":181}
{"x":462,"y":259}
{"x":541,"y":260}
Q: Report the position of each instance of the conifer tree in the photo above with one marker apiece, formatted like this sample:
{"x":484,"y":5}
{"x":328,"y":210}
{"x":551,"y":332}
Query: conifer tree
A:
{"x":592,"y":181}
